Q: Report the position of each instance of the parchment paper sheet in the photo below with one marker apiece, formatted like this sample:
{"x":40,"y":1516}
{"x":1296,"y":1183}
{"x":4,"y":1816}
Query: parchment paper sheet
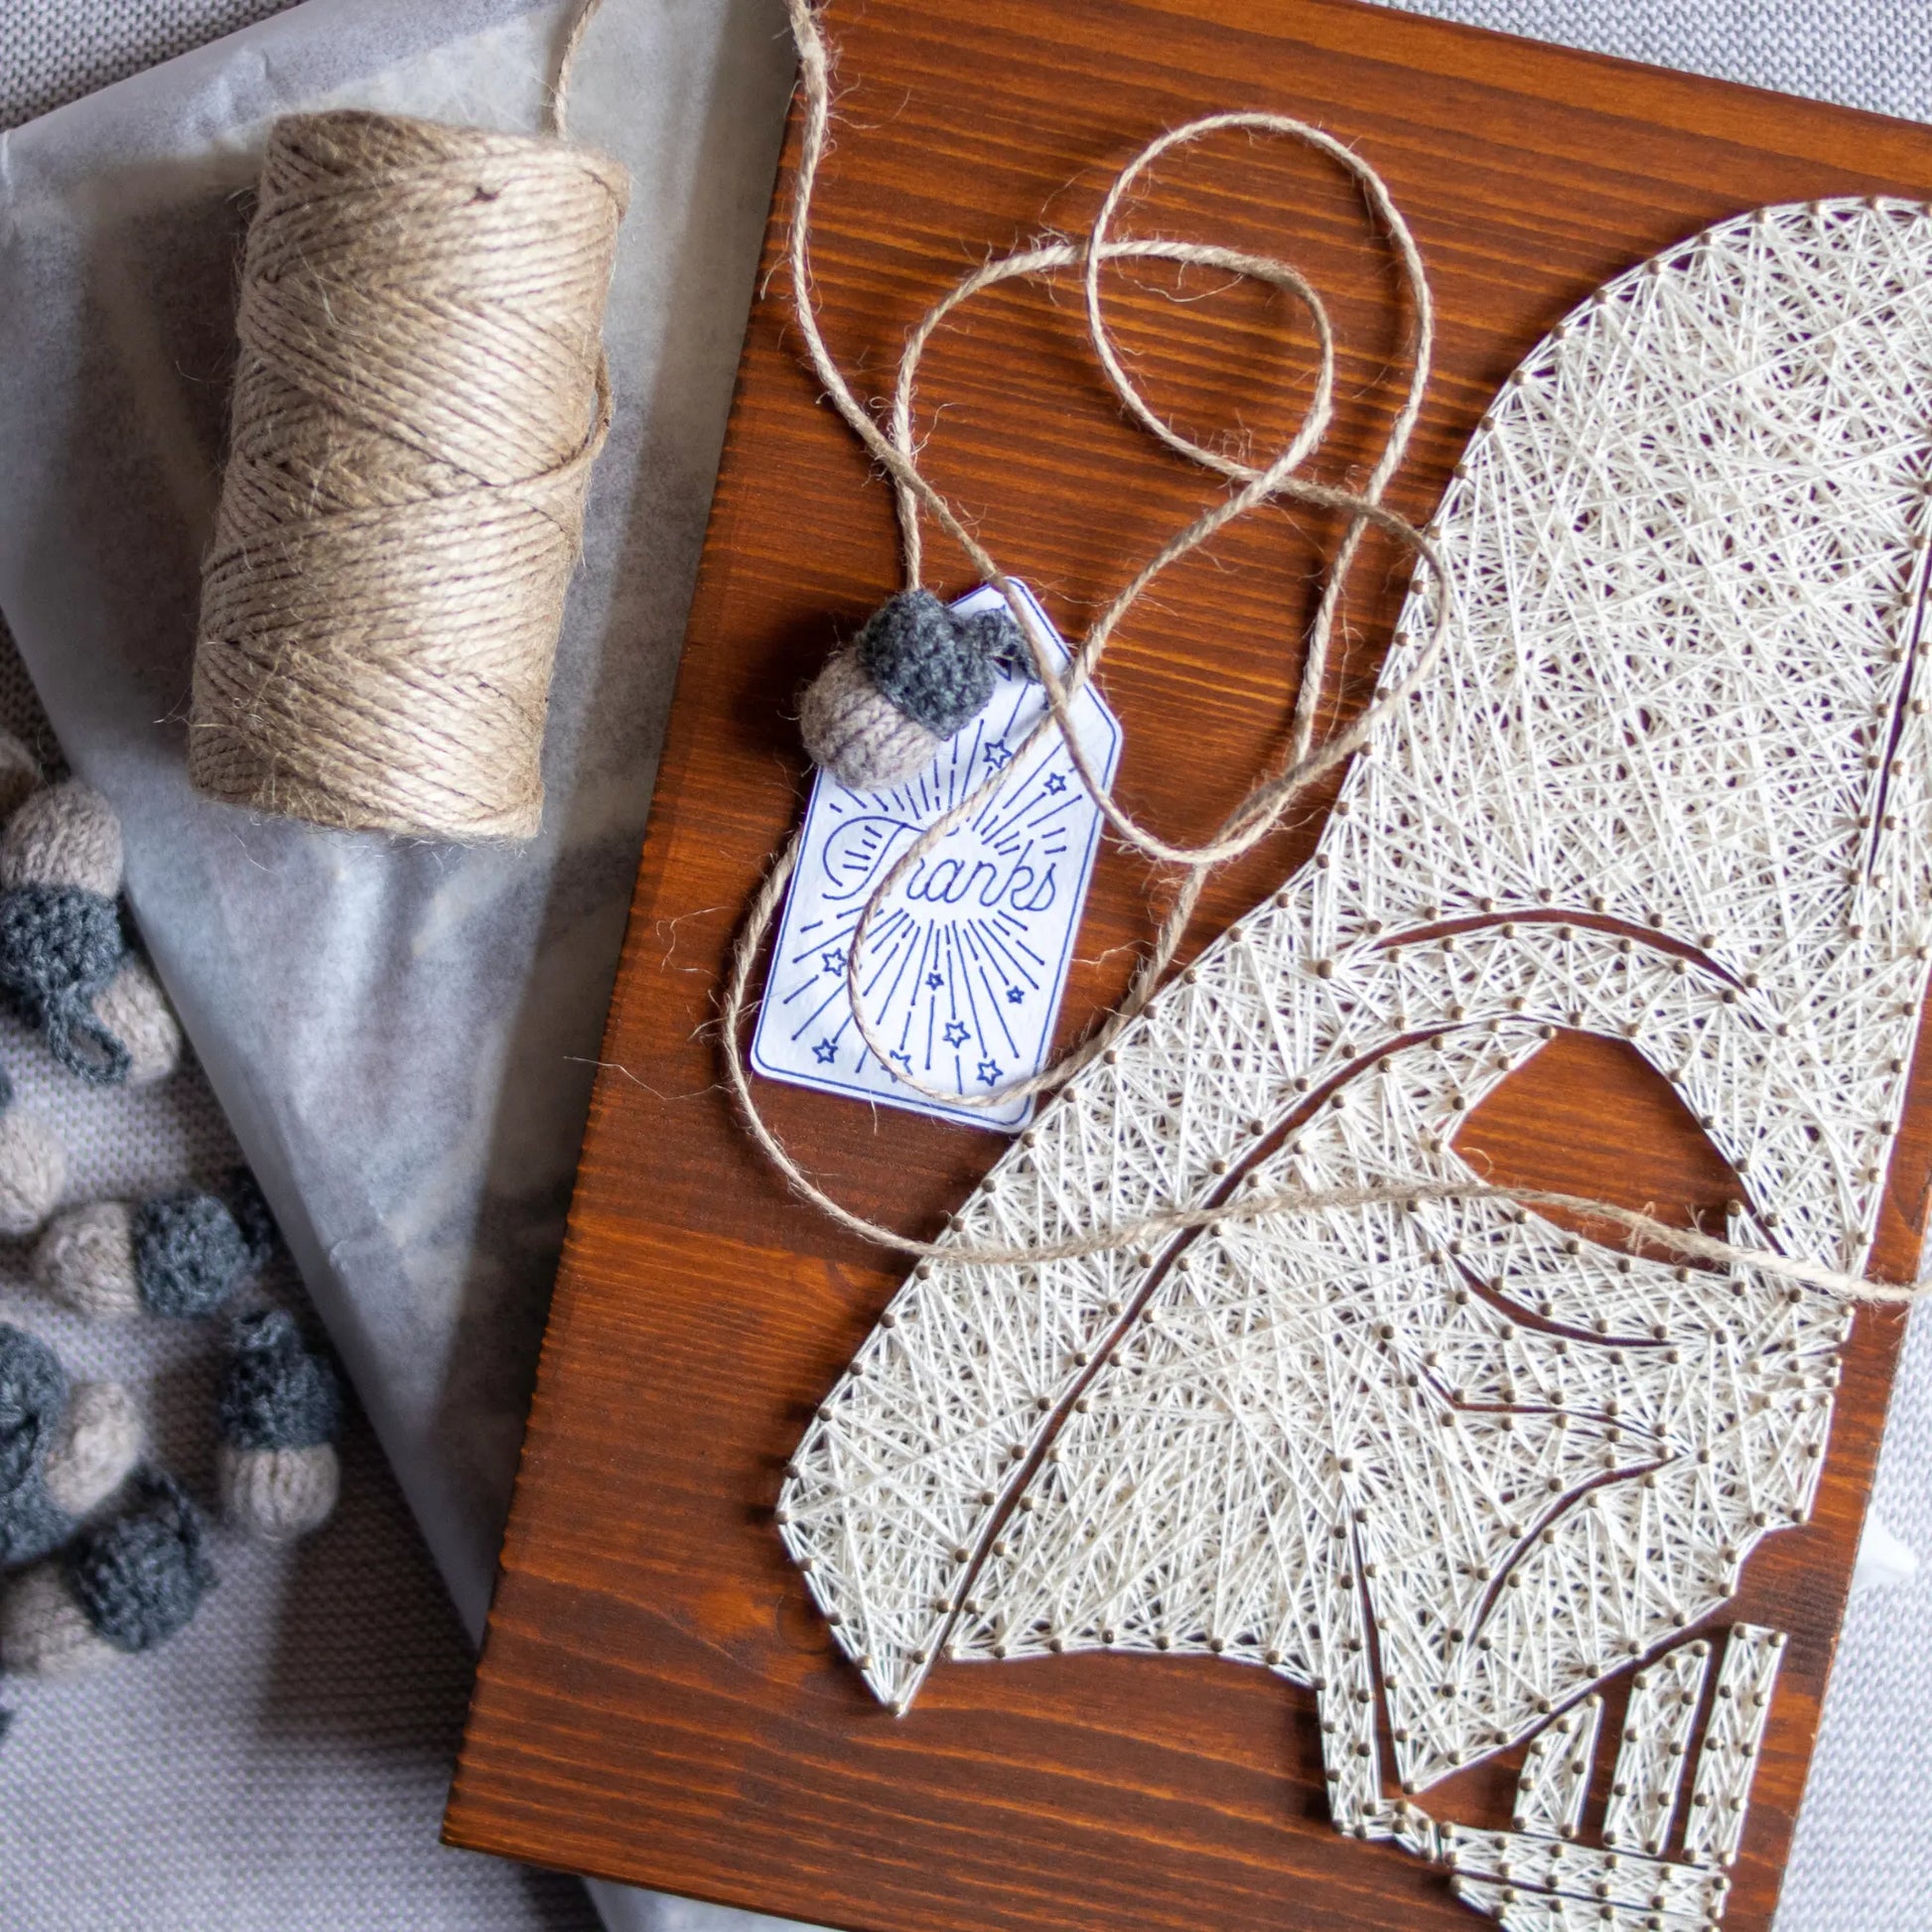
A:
{"x":401,"y":1034}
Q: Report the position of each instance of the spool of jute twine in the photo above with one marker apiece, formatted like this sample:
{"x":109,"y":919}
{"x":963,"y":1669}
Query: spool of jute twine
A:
{"x":418,"y":403}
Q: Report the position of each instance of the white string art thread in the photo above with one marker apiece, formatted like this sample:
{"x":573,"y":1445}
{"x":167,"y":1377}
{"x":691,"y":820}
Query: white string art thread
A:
{"x":1331,"y":1405}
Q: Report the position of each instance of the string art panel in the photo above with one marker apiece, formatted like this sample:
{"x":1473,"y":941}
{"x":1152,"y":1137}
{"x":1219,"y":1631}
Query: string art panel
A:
{"x":1445,"y":1461}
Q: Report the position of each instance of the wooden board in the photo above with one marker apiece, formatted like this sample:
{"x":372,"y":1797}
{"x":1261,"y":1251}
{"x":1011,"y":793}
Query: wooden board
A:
{"x":658,"y":1700}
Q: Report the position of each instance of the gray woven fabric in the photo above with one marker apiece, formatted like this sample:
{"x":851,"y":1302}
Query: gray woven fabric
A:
{"x":54,"y":50}
{"x":1870,"y":54}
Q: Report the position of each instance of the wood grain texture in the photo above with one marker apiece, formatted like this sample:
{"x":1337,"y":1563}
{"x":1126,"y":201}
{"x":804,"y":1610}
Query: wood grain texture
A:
{"x":658,"y":1700}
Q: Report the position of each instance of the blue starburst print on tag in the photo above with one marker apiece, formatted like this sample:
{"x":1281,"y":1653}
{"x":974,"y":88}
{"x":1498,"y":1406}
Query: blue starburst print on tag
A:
{"x":966,"y":962}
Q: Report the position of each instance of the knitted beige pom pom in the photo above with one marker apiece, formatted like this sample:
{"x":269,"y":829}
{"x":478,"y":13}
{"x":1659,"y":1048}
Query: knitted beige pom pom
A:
{"x":66,"y":835}
{"x":44,"y":1632}
{"x":278,"y":1494}
{"x":32,"y":1171}
{"x":86,"y":1259}
{"x":856,"y":733}
{"x":19,"y":775}
{"x":133,"y":1008}
{"x":98,"y":1442}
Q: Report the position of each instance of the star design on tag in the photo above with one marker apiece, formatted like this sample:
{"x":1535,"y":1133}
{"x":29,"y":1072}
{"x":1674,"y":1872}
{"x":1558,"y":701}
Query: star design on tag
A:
{"x":1016,"y":995}
{"x":989,"y":1074}
{"x":999,"y":754}
{"x":1055,"y":781}
{"x":834,"y":960}
{"x":825,"y":1052}
{"x":957,"y":1033}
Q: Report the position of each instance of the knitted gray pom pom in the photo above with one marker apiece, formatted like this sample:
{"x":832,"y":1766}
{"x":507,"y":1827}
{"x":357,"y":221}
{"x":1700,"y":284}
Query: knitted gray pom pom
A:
{"x":193,"y":1250}
{"x":63,"y":1448}
{"x":939,"y":668}
{"x":276,"y":1393}
{"x":278,"y":1410}
{"x":917,"y":673}
{"x":141,"y":1577}
{"x":33,"y":1393}
{"x":59,"y":947}
{"x":64,"y":955}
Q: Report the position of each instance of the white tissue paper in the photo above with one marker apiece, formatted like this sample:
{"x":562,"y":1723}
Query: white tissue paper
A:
{"x":403,"y":1035}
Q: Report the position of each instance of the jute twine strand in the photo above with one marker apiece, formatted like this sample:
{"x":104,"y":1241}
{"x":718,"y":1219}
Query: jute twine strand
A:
{"x":894,"y":448}
{"x":418,"y":399}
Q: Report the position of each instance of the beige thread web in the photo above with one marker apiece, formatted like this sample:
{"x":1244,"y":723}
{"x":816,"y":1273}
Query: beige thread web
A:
{"x":1379,"y":1428}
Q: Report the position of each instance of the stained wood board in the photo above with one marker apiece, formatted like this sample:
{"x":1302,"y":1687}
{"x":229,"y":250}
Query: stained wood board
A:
{"x":657,"y":1699}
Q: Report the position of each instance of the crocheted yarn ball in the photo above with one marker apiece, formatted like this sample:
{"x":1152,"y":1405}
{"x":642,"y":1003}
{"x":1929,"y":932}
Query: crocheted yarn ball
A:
{"x":937,"y":667}
{"x":59,"y":947}
{"x":60,"y":938}
{"x":56,"y":937}
{"x":32,"y":1391}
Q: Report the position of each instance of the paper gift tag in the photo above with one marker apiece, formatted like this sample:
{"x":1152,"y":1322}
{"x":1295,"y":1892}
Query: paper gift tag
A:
{"x":966,"y":960}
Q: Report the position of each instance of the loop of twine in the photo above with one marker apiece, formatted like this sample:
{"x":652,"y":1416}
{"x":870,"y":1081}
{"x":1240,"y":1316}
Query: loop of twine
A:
{"x":894,"y":450}
{"x":419,"y":400}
